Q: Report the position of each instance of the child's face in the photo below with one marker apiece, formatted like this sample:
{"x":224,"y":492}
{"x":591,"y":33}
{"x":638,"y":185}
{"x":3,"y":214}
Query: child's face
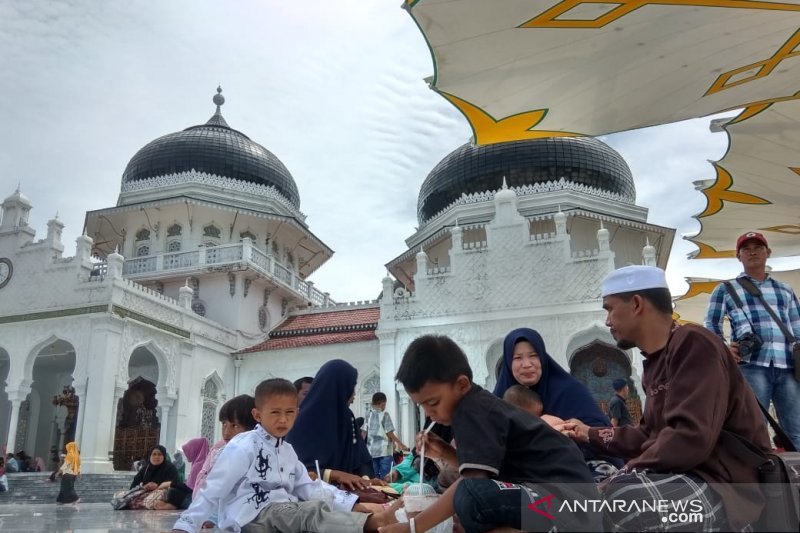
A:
{"x":231,"y":428}
{"x":439,"y":400}
{"x":380,"y":406}
{"x":277,"y":414}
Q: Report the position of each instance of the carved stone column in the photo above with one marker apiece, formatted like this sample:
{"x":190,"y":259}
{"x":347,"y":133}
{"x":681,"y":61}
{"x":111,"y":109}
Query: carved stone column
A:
{"x":406,"y":419}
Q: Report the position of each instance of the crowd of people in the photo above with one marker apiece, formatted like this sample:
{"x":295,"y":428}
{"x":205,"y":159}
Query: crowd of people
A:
{"x":293,"y":457}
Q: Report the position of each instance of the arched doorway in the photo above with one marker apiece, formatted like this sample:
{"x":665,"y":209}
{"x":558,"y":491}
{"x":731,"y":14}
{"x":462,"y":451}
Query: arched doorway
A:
{"x":494,"y":358}
{"x":137,"y":426}
{"x":597,"y":365}
{"x":46,"y":423}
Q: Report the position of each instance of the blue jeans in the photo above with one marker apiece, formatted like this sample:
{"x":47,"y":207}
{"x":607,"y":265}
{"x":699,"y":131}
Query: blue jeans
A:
{"x":778,"y":385}
{"x":382,"y":466}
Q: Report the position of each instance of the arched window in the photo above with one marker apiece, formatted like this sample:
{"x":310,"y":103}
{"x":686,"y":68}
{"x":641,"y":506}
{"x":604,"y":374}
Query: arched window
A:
{"x":369,"y":386}
{"x":174,"y":246}
{"x":143,"y":250}
{"x":174,"y":230}
{"x":143,"y":235}
{"x":208,"y":423}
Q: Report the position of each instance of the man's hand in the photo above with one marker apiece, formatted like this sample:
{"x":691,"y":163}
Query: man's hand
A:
{"x":575,"y":429}
{"x":733,"y":347}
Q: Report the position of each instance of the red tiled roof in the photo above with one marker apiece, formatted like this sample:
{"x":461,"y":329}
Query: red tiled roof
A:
{"x":326,"y":327}
{"x":312,"y":340}
{"x":344,"y":317}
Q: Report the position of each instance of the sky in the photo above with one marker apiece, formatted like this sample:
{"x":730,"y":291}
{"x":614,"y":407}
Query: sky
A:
{"x":334,"y":89}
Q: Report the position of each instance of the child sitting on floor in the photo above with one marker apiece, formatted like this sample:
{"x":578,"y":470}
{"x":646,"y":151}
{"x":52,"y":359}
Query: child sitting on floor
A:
{"x":525,"y":398}
{"x":508,"y":460}
{"x":258,"y":484}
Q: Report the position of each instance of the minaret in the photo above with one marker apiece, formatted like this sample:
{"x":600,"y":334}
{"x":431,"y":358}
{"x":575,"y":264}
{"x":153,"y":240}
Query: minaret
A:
{"x":16,"y":209}
{"x":54,"y":229}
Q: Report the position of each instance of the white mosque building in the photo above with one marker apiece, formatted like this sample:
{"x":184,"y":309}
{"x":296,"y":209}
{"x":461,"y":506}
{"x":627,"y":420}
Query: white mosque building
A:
{"x":193,"y":288}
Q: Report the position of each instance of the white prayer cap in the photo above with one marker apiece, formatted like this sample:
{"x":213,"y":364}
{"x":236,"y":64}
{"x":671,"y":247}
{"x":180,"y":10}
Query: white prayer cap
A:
{"x":633,"y":278}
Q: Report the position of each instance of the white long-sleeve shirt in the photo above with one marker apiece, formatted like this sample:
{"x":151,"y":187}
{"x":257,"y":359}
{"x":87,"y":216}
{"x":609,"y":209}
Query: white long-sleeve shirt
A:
{"x":254,"y":470}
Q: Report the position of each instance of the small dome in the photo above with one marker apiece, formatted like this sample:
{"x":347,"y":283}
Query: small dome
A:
{"x":475,"y":169}
{"x":18,"y":198}
{"x":213,"y":148}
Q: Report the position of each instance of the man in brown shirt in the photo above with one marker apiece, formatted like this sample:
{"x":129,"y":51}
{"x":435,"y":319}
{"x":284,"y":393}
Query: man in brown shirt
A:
{"x":694,"y":392}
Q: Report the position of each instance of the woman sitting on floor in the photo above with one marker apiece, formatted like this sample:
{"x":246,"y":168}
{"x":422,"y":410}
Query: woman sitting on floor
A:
{"x":326,"y":431}
{"x":155,"y":478}
{"x":526,"y":362}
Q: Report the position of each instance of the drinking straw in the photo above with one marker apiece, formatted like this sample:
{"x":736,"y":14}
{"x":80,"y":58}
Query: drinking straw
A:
{"x":422,"y":455}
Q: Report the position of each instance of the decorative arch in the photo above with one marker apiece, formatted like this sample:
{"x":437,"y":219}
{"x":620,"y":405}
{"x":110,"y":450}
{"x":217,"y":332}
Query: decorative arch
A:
{"x":369,"y":386}
{"x":595,"y":331}
{"x":493,"y":356}
{"x":211,"y":398}
{"x":162,"y":362}
{"x":33,"y":353}
{"x":596,"y":365}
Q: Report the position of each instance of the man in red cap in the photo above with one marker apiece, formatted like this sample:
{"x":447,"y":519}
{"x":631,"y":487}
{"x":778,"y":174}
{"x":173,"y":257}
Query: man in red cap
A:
{"x":758,"y":342}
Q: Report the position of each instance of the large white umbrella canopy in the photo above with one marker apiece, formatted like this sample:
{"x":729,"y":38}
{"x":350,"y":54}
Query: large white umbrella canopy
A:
{"x":524,"y":69}
{"x":757,"y":187}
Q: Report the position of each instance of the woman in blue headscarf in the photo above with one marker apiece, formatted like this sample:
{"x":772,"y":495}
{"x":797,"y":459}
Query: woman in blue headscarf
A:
{"x":526,"y":362}
{"x":325,"y":429}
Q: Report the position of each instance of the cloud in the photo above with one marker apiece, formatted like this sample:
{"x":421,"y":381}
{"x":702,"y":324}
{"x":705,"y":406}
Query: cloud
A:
{"x":333,"y":89}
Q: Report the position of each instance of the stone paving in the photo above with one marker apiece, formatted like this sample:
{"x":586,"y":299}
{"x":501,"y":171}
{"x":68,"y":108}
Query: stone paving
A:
{"x":82,"y":518}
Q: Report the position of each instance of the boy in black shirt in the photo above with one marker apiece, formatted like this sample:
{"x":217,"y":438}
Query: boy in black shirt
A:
{"x":510,"y":462}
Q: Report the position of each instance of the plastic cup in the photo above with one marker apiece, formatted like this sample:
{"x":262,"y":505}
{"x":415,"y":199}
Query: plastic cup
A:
{"x":416,"y":504}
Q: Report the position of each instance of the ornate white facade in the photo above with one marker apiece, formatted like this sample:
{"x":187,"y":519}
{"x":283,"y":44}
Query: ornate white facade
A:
{"x":153,"y":321}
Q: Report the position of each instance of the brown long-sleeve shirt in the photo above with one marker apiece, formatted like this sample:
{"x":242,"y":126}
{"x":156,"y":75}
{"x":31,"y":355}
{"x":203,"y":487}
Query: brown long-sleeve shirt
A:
{"x":694,"y":390}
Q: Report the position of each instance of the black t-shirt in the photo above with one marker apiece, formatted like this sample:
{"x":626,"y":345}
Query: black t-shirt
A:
{"x":617,"y":409}
{"x":511,"y":444}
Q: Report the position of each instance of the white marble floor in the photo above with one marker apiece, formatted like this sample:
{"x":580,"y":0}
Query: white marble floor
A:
{"x":82,"y":518}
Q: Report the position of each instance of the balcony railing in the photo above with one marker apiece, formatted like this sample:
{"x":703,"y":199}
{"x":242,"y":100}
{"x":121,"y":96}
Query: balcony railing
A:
{"x":224,"y":255}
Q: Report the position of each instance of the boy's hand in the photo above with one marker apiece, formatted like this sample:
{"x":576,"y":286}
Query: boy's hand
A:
{"x":435,"y":446}
{"x":553,"y":421}
{"x":400,"y":527}
{"x":351,"y":481}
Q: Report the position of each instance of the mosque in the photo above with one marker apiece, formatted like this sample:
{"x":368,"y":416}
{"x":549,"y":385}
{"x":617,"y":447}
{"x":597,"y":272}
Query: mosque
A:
{"x":194,"y":287}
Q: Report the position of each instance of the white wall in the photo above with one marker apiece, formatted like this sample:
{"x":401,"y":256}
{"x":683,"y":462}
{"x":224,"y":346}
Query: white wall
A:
{"x":295,"y":363}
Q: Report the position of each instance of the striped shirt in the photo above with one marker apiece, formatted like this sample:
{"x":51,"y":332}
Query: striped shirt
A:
{"x":777,"y":349}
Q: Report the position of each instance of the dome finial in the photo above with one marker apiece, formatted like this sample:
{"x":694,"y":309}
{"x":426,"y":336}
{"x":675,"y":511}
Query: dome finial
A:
{"x":505,"y":185}
{"x":218,"y":98}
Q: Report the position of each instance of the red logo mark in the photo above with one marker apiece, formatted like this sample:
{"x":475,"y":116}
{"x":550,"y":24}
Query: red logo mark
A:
{"x":549,"y":501}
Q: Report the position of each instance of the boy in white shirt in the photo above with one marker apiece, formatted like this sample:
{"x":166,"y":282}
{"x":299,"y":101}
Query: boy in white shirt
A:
{"x":259,"y":485}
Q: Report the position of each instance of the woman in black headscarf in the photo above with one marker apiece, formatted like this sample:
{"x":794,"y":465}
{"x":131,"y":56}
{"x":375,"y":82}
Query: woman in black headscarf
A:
{"x":326,"y":431}
{"x":157,"y":471}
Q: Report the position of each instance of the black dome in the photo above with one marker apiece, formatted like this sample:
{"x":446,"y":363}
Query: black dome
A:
{"x":213,"y":148}
{"x":473,"y":169}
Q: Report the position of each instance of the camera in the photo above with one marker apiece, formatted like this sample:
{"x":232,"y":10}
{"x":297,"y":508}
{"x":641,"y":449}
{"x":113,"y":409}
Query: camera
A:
{"x":749,"y":344}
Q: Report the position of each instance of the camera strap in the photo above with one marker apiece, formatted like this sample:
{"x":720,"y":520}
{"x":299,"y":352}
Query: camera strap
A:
{"x":738,"y":301}
{"x":755,"y":291}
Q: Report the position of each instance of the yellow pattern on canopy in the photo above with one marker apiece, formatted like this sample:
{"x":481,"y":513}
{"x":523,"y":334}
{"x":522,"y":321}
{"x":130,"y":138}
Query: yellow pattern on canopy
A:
{"x":588,"y":67}
{"x":757,"y":185}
